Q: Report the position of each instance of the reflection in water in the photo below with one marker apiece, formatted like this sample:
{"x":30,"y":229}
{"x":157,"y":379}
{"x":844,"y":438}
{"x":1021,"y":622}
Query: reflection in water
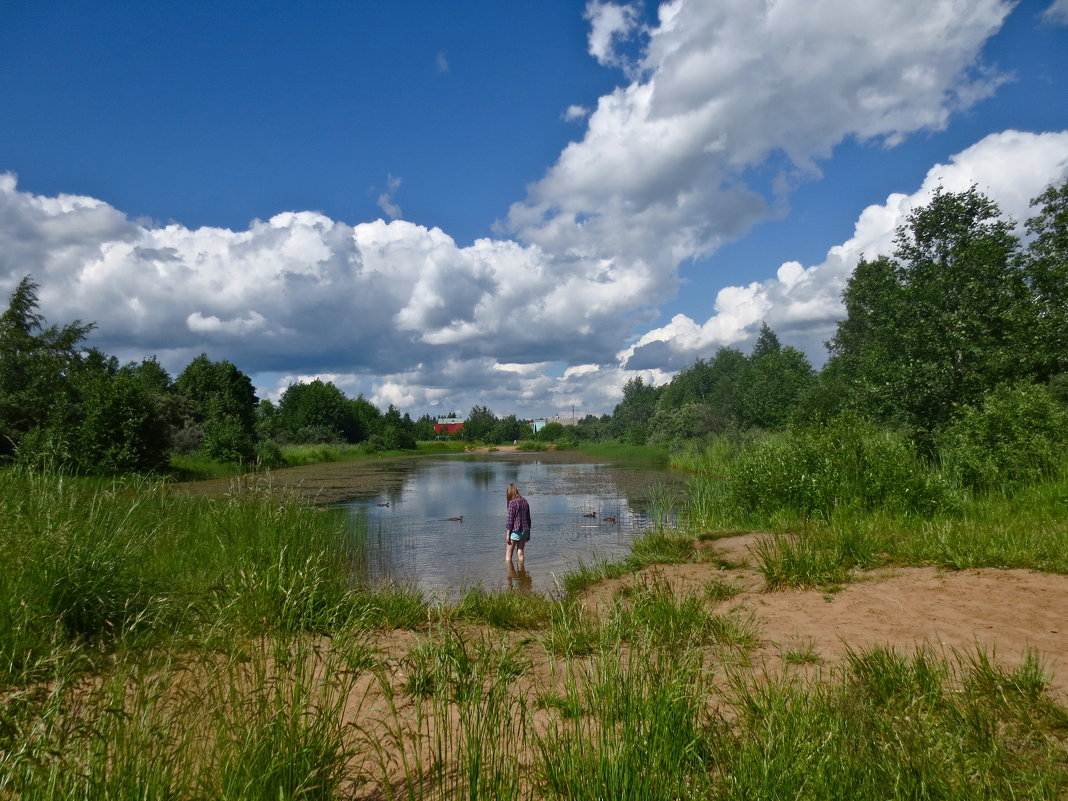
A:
{"x":519,"y":580}
{"x":443,"y":529}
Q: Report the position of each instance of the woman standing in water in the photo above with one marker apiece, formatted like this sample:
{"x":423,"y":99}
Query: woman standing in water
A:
{"x":518,"y":525}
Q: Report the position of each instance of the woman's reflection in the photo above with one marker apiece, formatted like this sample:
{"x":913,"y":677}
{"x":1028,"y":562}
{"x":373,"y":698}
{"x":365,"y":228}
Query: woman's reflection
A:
{"x":519,"y":580}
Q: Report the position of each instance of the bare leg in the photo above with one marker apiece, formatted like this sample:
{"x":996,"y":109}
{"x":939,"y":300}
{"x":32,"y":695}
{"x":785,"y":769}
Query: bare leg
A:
{"x":521,"y":548}
{"x":508,"y":552}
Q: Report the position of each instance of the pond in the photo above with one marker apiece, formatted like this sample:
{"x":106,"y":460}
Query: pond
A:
{"x":438,"y":524}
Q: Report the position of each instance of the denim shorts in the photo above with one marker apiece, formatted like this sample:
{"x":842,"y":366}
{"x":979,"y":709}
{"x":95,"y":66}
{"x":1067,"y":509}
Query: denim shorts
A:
{"x":519,"y":536}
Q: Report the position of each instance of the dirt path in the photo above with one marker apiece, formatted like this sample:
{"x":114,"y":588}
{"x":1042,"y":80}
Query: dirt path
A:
{"x":1006,"y":612}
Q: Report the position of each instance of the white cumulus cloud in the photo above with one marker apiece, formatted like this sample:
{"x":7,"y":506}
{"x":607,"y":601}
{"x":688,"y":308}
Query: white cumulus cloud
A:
{"x":1011,"y":167}
{"x":661,"y":174}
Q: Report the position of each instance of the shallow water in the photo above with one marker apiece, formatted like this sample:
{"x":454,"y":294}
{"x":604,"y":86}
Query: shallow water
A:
{"x":580,"y":512}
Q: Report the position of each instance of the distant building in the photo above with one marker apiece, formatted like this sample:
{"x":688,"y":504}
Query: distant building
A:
{"x":449,"y":425}
{"x":537,"y":425}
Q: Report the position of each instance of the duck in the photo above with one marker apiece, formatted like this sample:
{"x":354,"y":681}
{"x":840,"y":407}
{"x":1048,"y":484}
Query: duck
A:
{"x":383,"y":504}
{"x":459,"y":519}
{"x":608,"y":519}
{"x":590,"y":514}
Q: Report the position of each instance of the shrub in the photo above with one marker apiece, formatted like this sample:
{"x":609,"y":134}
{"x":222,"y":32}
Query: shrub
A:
{"x":227,"y":440}
{"x":269,"y":455}
{"x":848,"y":463}
{"x":1017,"y":434}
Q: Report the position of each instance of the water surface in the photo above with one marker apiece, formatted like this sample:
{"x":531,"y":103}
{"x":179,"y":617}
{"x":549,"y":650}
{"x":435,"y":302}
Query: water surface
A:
{"x":579,"y":512}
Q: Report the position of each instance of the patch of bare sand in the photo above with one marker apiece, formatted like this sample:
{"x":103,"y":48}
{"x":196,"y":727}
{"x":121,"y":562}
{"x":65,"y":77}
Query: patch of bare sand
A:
{"x":1004,"y":612}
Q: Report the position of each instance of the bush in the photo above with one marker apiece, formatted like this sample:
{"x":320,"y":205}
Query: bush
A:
{"x":43,"y":449}
{"x":316,"y":435}
{"x":1017,"y":434}
{"x":227,"y":440}
{"x":532,"y":445}
{"x":847,"y":464}
{"x":269,"y":456}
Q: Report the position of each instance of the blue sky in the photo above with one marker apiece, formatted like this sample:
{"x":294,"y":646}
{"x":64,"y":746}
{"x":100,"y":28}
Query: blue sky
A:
{"x":518,"y":205}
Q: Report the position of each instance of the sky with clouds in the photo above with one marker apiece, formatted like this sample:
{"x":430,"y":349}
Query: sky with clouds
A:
{"x":518,"y":205}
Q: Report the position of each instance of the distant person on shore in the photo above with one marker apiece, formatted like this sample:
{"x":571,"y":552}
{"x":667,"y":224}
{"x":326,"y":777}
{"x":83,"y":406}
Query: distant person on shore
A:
{"x":518,"y":525}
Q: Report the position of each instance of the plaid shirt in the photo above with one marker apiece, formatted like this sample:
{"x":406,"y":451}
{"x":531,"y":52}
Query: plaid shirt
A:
{"x":518,"y":514}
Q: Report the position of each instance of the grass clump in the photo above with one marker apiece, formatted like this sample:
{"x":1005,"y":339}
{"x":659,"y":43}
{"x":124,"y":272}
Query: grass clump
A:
{"x":802,"y":654}
{"x":799,"y":561}
{"x":642,"y":734}
{"x":891,"y":727}
{"x":93,"y":567}
{"x":717,"y":590}
{"x":504,"y":610}
{"x":655,"y":547}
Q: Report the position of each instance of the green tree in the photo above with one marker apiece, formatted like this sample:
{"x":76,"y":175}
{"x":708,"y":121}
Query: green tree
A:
{"x":220,"y":404}
{"x":775,"y":381}
{"x":551,"y":432}
{"x":713,"y":389}
{"x":157,"y":383}
{"x":1046,"y":270}
{"x":631,"y":417}
{"x":397,"y":430}
{"x":35,"y":362}
{"x":268,"y":423}
{"x":943,"y":320}
{"x":120,"y":427}
{"x":367,"y":415}
{"x":479,"y":424}
{"x":509,"y":429}
{"x":321,"y":406}
{"x":423,"y":430}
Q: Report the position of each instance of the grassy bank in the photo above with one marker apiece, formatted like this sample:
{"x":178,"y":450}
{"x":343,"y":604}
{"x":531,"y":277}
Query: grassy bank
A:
{"x":195,"y":467}
{"x":615,"y":451}
{"x":853,"y":497}
{"x":92,"y":568}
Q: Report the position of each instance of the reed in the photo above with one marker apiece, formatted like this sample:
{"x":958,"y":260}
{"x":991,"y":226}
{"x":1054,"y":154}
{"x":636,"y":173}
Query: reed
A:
{"x":265,"y":724}
{"x":892,"y":726}
{"x":97,"y":566}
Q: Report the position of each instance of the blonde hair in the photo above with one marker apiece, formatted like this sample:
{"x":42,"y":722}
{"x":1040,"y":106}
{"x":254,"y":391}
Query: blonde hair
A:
{"x":513,"y":491}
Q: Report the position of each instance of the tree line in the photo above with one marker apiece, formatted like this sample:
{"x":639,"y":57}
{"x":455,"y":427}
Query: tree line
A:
{"x":962,"y":308}
{"x":63,"y":404}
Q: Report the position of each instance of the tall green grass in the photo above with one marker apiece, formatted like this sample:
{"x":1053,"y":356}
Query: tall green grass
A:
{"x":894,"y":726}
{"x":641,"y":732}
{"x":849,"y":496}
{"x":645,"y":699}
{"x":267,"y":724}
{"x":93,"y":566}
